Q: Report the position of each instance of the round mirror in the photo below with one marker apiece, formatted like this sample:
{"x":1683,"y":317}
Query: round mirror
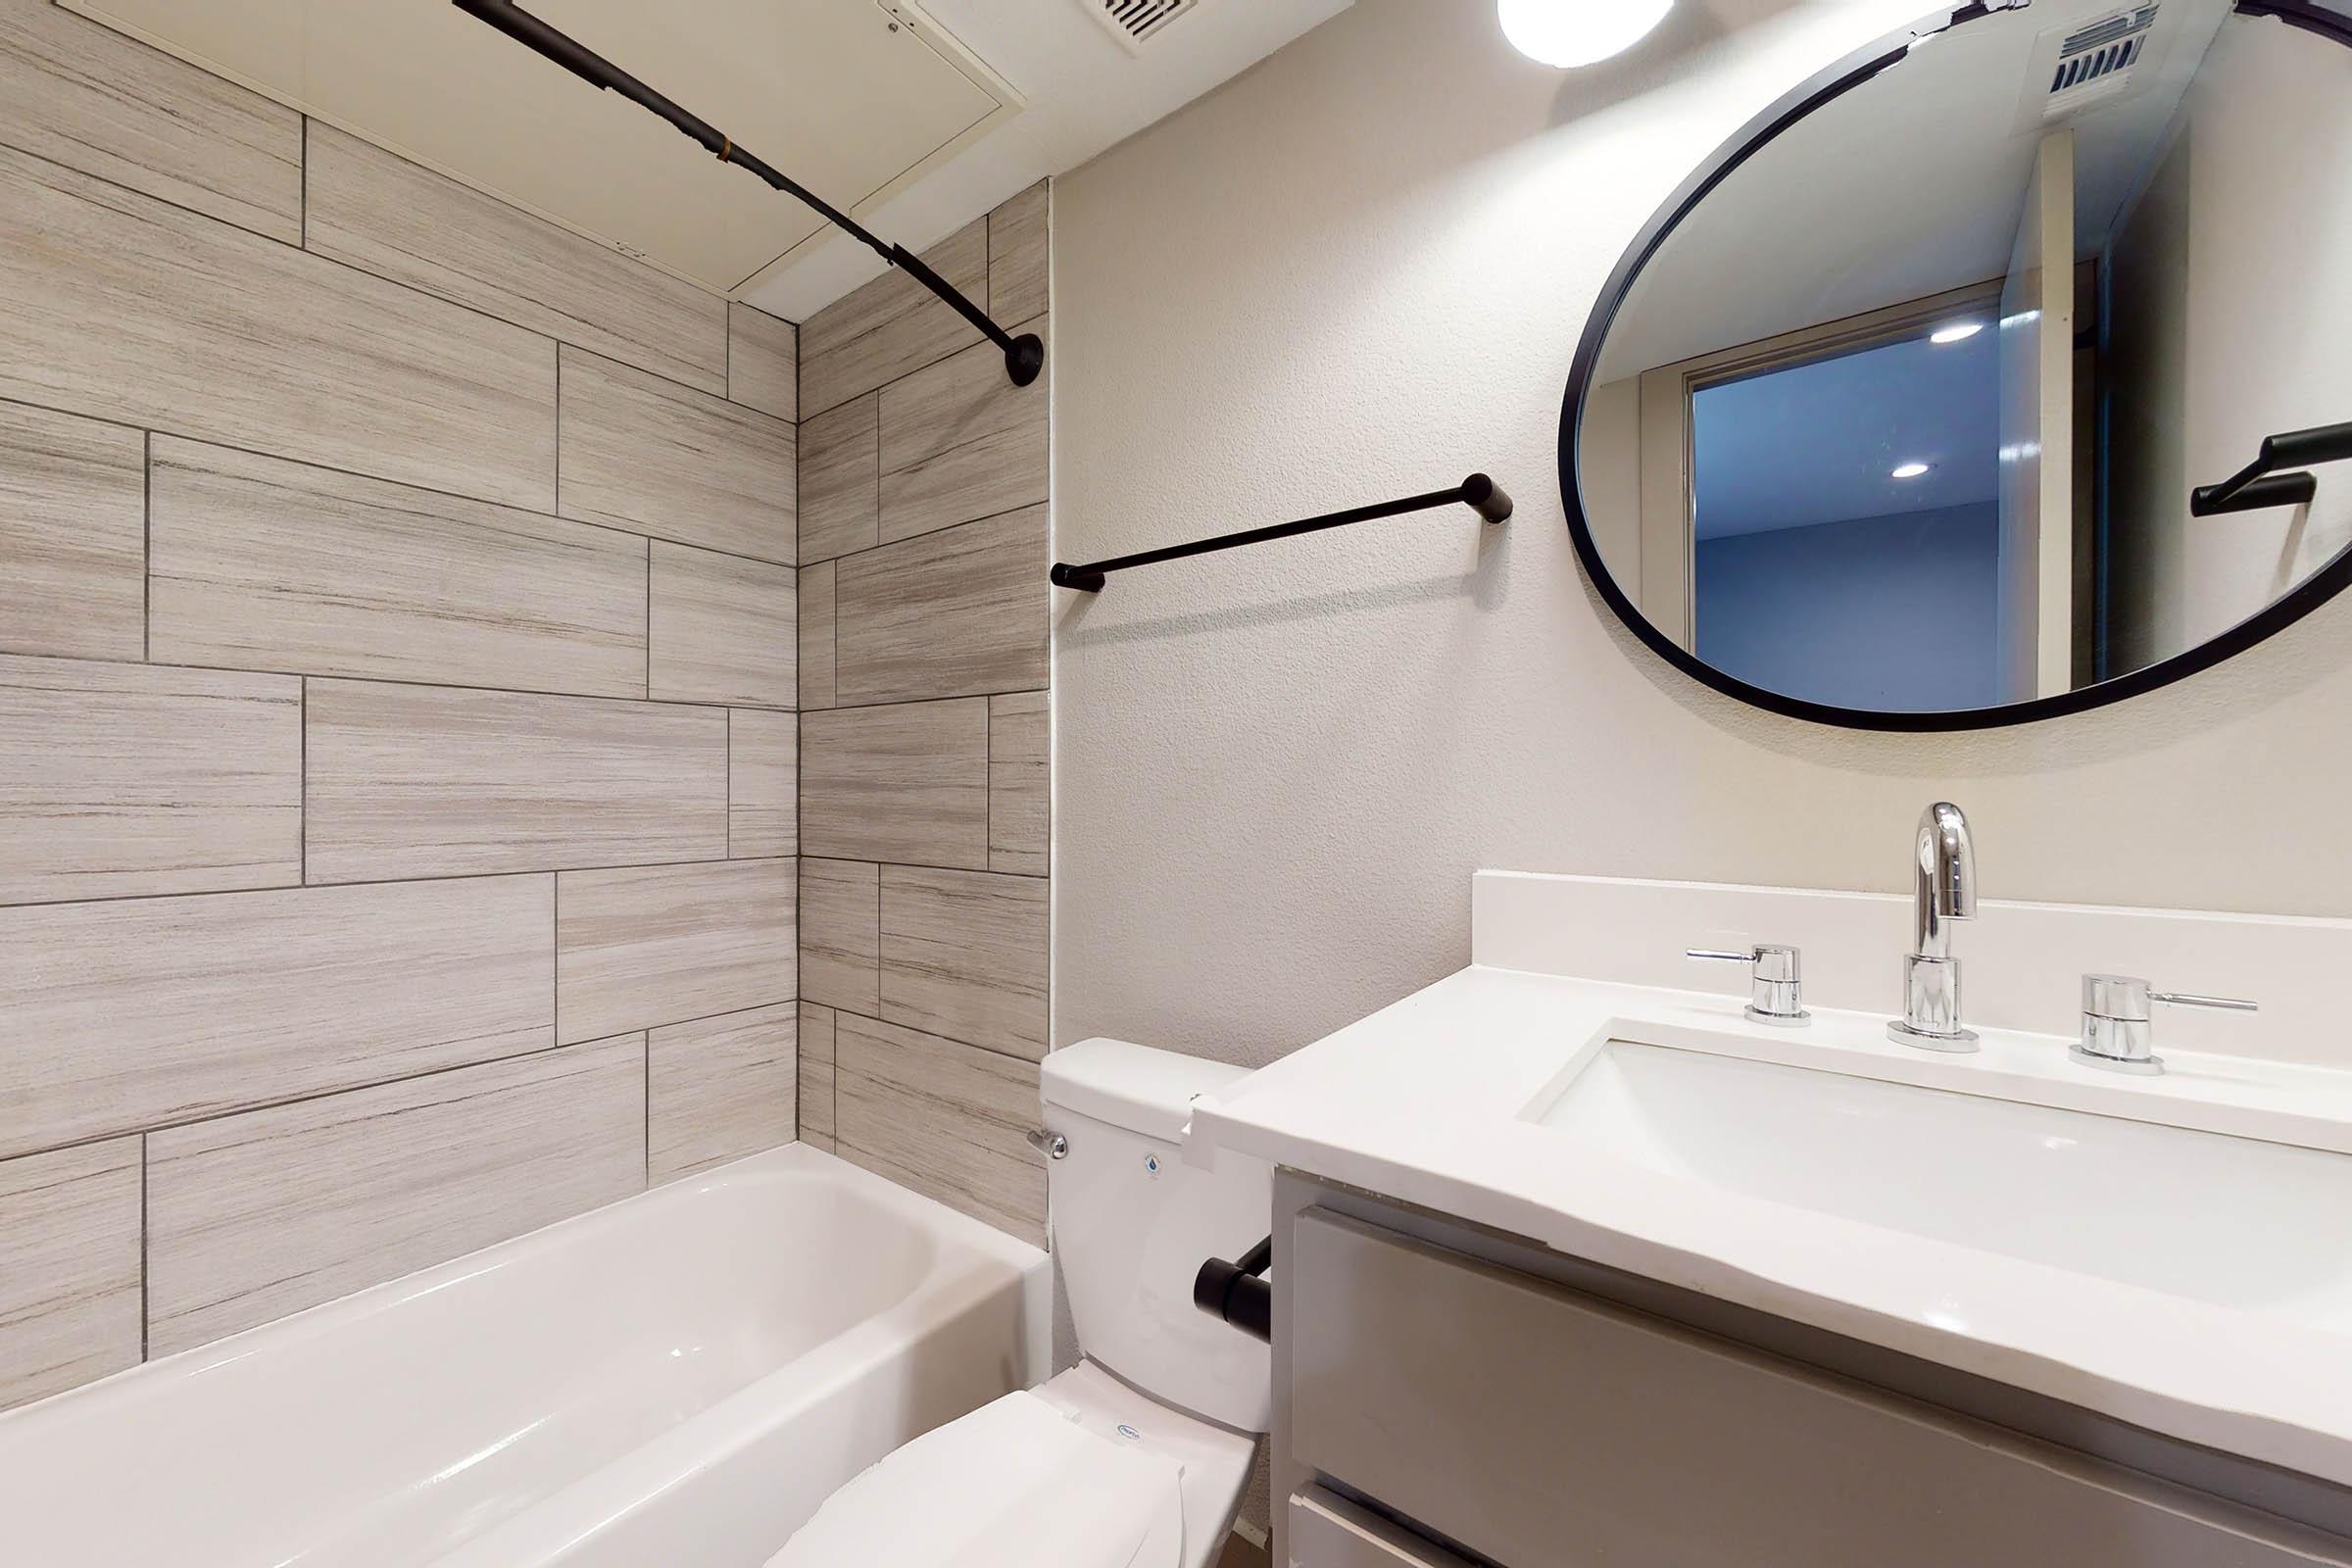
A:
{"x":1996,"y":373}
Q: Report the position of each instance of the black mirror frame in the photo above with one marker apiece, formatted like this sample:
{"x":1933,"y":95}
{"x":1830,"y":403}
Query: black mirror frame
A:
{"x":1815,"y":93}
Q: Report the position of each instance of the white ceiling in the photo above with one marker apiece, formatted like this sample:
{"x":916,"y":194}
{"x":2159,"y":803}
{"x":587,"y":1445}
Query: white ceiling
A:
{"x":914,"y":119}
{"x":1085,"y":93}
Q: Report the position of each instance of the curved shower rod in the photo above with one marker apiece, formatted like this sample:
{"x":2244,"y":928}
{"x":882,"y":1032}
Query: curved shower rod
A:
{"x":1024,"y":355}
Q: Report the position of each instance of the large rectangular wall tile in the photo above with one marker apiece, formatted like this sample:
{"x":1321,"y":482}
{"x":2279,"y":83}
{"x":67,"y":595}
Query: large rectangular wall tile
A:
{"x":69,"y":1228}
{"x":656,"y":457}
{"x":1019,"y":251}
{"x":719,"y":1088}
{"x":143,"y":1011}
{"x":92,"y":99}
{"x":960,"y":441}
{"x":410,"y":781}
{"x":817,"y":1076}
{"x":841,"y":479}
{"x":963,"y":954}
{"x":943,"y":1118}
{"x":892,"y":326}
{"x":122,"y":307}
{"x":254,"y":1216}
{"x":401,"y":221}
{"x":722,"y":629}
{"x":665,"y":944}
{"x":841,"y":934}
{"x":72,"y":558}
{"x":1019,"y":781}
{"x":127,"y":779}
{"x":906,"y":783}
{"x":764,"y":784}
{"x":262,"y":563}
{"x":818,"y":635}
{"x":951,"y":613}
{"x":764,"y":362}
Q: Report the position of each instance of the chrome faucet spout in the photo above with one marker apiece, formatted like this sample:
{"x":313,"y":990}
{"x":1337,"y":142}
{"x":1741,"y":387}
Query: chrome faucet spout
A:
{"x":1943,"y":888}
{"x":1944,"y":880}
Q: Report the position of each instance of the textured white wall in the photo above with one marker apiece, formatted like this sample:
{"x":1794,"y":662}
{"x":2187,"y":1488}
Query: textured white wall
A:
{"x":1361,"y":270}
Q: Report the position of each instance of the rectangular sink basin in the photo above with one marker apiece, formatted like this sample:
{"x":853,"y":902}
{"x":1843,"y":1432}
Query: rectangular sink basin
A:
{"x":2232,"y":1221}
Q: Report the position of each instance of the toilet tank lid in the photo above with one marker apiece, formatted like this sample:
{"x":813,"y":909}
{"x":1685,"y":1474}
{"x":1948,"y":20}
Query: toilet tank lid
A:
{"x":1130,"y":1086}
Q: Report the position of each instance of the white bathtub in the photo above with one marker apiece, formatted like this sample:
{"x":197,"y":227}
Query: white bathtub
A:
{"x":678,"y":1379}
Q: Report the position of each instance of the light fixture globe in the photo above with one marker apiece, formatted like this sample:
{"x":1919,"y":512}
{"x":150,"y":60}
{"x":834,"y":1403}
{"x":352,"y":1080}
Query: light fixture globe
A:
{"x":1578,"y":32}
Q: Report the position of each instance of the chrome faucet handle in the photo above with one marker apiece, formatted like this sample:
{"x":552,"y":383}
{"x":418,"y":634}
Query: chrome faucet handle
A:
{"x":1775,"y":981}
{"x":2117,"y":1034}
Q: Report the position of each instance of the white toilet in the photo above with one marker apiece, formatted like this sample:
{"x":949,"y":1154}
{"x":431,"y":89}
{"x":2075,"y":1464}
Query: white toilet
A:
{"x":1136,"y":1457}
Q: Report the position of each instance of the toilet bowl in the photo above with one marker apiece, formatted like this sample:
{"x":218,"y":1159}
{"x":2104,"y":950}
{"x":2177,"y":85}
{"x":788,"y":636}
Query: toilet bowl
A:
{"x":1136,"y":1457}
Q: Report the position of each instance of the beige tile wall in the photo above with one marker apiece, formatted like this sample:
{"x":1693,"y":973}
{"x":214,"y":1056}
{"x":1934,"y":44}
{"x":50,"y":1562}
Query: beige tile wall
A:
{"x":925,"y":726}
{"x":398,"y":848}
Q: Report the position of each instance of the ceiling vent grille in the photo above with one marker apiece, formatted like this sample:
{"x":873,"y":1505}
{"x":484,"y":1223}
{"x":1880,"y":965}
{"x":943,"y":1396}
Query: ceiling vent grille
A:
{"x":2096,"y":63}
{"x":1136,"y":23}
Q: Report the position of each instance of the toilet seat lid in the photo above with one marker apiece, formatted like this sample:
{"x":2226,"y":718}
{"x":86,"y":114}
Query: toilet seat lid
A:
{"x":1013,"y":1485}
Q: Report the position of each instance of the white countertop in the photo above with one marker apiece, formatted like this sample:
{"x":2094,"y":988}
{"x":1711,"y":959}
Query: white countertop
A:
{"x":1428,"y":1102}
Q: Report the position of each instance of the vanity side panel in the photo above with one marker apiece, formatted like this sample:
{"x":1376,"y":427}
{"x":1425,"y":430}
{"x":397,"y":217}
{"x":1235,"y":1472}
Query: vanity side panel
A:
{"x":1518,"y":1418}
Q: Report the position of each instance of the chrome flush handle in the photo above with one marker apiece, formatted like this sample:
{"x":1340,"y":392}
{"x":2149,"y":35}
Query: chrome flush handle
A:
{"x":2117,"y":1034}
{"x":1775,"y":981}
{"x":1052,"y":1145}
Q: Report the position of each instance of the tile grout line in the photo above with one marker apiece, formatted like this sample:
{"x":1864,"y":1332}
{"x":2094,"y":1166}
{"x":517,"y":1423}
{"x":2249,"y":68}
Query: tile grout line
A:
{"x":302,"y":805}
{"x":710,"y":862}
{"x":926,"y":534}
{"x":248,"y":1107}
{"x":546,"y":513}
{"x":146,"y":1253}
{"x":463,"y":686}
{"x":916,"y":702}
{"x":301,"y":247}
{"x":146,"y":546}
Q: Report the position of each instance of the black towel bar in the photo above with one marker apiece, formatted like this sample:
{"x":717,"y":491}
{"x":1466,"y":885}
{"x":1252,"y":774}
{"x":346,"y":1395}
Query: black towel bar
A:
{"x":1478,"y":492}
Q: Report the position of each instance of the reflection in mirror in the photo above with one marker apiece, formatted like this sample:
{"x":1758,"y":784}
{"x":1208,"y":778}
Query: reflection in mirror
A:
{"x":1905,"y":414}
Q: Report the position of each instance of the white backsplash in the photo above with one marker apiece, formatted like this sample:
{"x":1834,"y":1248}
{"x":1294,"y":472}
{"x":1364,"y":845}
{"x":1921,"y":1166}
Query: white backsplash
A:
{"x":2022,"y":963}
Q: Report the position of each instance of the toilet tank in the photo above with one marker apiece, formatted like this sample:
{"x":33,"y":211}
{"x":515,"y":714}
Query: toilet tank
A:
{"x":1132,"y":1223}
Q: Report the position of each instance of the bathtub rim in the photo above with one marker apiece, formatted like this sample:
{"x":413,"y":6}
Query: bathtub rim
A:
{"x":92,"y":1399}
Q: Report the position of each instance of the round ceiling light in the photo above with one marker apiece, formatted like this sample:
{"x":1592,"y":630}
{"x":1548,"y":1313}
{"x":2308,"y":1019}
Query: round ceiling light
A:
{"x":1578,"y":32}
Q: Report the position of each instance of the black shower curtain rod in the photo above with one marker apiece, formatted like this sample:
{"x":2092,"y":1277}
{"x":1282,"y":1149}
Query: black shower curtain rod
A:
{"x":1024,"y":355}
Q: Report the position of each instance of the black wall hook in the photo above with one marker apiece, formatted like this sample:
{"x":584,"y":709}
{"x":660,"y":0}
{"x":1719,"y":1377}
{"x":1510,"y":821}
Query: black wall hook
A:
{"x":2254,"y":486}
{"x":1024,"y":355}
{"x":1478,"y":492}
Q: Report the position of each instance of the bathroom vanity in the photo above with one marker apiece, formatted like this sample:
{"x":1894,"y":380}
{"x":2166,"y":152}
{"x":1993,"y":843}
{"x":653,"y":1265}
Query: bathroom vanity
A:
{"x":1575,"y":1265}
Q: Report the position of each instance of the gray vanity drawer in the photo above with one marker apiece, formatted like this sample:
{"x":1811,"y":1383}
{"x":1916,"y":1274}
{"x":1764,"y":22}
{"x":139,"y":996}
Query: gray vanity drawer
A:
{"x":1537,"y":1426}
{"x":1326,"y":1531}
